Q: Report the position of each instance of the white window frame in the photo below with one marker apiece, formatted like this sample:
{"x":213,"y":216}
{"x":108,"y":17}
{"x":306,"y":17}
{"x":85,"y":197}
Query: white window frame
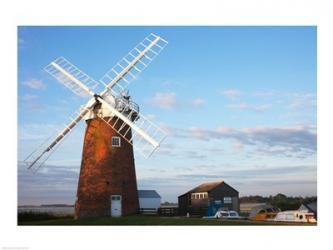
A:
{"x":227,"y":200}
{"x":119,"y":140}
{"x":199,"y":196}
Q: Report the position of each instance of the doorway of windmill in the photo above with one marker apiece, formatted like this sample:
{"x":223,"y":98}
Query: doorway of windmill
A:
{"x":115,"y":205}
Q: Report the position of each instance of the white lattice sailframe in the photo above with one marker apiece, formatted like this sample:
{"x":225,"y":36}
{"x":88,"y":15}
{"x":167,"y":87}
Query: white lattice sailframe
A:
{"x":145,"y":137}
{"x":117,"y":79}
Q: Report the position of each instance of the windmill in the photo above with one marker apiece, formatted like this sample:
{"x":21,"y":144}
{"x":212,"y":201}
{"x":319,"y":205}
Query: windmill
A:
{"x":107,"y":183}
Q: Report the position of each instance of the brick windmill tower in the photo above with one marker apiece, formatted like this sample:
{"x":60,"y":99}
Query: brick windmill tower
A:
{"x":107,"y":185}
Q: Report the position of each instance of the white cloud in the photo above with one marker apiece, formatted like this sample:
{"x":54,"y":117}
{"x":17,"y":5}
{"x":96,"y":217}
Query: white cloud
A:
{"x":28,"y":97}
{"x":267,"y":93}
{"x":29,"y":102}
{"x":241,"y":105}
{"x":198,"y":102}
{"x":199,"y":133}
{"x":166,"y":100}
{"x":20,"y":42}
{"x":262,"y":107}
{"x":34,"y":84}
{"x":238,"y":146}
{"x":245,"y":106}
{"x":298,"y":141}
{"x":301,"y":101}
{"x":231,"y":93}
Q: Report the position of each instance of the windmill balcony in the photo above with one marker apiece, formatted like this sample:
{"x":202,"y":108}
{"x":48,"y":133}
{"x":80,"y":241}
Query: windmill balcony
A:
{"x":124,"y":104}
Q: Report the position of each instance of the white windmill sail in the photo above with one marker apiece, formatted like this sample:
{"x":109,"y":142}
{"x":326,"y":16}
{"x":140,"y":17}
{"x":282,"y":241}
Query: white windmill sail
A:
{"x":130,"y":66}
{"x":58,"y":69}
{"x":68,"y":75}
{"x":38,"y":157}
{"x":146,"y":134}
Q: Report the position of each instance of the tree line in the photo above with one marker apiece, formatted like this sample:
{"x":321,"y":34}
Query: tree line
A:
{"x":280,"y":200}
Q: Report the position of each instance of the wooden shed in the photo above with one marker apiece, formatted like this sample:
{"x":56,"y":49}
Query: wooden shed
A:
{"x":207,"y":198}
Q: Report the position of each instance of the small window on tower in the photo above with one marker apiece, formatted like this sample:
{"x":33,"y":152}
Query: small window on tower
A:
{"x":115,"y":141}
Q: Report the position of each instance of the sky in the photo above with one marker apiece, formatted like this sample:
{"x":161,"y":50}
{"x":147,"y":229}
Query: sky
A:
{"x":238,"y":103}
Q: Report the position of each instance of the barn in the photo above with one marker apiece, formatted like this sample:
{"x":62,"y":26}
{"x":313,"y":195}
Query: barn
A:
{"x":207,"y":198}
{"x":149,"y":201}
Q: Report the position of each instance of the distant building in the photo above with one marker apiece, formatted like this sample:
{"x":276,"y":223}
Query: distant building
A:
{"x":207,"y":198}
{"x":310,"y":207}
{"x":149,"y":201}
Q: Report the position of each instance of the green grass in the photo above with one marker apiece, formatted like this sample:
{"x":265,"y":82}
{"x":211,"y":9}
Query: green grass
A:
{"x":146,"y":220}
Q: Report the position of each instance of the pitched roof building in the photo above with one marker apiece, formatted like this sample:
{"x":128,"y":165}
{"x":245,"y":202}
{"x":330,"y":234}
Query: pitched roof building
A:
{"x":149,"y":201}
{"x":207,"y":198}
{"x":310,"y":207}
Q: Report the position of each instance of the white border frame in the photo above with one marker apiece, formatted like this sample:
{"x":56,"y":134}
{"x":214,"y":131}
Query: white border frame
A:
{"x":209,"y":12}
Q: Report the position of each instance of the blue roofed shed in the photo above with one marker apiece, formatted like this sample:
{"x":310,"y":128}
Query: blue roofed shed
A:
{"x":149,"y":201}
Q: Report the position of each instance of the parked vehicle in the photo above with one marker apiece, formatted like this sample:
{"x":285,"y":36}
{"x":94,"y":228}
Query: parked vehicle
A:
{"x":263,"y":212}
{"x":223,"y":214}
{"x":296,"y":216}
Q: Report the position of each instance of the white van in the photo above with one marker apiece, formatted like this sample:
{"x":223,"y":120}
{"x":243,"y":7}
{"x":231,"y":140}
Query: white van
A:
{"x":227,"y":215}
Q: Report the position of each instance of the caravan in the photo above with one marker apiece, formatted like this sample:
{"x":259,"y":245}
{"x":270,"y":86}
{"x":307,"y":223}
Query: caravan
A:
{"x":295,"y":216}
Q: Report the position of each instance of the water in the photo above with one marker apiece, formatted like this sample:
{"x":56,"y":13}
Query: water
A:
{"x":66,"y":210}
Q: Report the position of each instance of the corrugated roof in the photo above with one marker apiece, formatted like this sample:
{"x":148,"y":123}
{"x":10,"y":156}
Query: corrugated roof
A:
{"x":148,"y":194}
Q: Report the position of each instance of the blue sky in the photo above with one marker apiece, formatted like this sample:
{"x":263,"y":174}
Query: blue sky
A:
{"x":239,"y":104}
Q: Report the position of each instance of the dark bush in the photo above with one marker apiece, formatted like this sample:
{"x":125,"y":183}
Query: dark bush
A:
{"x":36,"y":216}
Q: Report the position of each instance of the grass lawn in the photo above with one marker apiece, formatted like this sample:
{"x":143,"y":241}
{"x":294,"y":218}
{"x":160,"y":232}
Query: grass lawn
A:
{"x":147,"y":220}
